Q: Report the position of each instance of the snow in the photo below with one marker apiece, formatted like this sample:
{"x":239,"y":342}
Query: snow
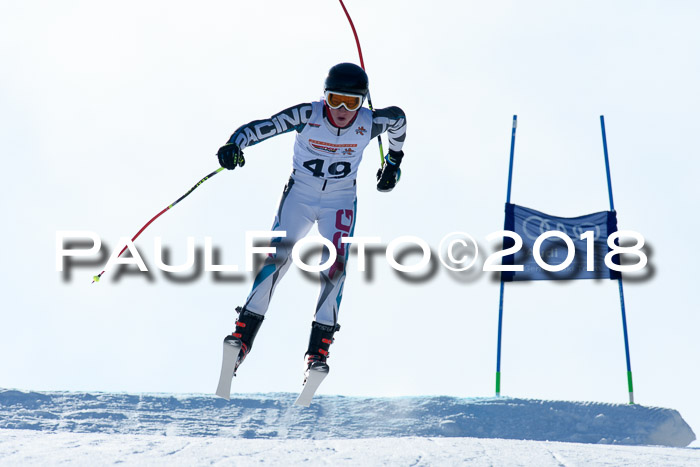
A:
{"x":19,"y":447}
{"x":155,"y":429}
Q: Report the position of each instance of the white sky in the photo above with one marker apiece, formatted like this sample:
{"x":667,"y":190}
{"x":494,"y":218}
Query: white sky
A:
{"x":111,"y":111}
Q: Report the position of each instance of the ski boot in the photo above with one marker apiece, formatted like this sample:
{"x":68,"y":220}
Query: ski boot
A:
{"x":316,"y":367}
{"x":320,"y":341}
{"x":247,"y":326}
{"x":236,"y":347}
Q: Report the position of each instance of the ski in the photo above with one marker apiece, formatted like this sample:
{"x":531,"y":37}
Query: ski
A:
{"x":232,"y":346}
{"x":315,"y":375}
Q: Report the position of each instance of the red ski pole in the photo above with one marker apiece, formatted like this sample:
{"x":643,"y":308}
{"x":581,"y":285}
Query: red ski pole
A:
{"x":362,"y":64}
{"x":97,"y":277}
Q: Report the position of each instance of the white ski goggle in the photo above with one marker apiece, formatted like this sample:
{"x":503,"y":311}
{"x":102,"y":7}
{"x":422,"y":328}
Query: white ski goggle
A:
{"x":337,"y":99}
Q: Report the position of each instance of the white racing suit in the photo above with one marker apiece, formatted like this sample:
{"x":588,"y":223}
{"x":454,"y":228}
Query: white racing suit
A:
{"x":321,"y":189}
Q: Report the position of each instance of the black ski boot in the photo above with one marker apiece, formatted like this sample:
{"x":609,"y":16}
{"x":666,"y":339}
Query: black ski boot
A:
{"x":247,"y":326}
{"x":319,"y":342}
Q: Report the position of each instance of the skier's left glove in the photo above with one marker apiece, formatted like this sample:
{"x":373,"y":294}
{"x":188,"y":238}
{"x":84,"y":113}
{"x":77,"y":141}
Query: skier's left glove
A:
{"x":230,"y":156}
{"x":390,"y":173}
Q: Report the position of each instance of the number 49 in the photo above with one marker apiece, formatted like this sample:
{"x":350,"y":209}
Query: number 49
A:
{"x":336,"y":169}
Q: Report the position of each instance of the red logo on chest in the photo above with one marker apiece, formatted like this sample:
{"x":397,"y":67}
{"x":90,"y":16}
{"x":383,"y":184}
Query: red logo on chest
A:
{"x":331,"y":148}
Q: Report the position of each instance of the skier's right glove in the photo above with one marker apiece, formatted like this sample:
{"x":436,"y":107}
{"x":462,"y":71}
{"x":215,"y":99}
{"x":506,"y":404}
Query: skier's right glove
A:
{"x":390,"y":173}
{"x":230,"y":156}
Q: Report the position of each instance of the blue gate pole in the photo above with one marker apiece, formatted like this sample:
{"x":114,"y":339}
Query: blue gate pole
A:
{"x":619,"y":280}
{"x":498,"y":352}
{"x":512,"y":151}
{"x":500,"y":301}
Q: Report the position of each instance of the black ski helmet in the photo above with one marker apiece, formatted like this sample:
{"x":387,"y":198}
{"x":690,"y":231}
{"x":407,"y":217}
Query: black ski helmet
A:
{"x":347,"y":77}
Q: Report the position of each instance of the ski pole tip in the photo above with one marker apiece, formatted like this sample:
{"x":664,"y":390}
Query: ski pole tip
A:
{"x":96,"y":278}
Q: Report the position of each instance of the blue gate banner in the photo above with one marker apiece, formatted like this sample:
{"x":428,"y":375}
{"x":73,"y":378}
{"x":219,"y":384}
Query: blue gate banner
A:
{"x":530,"y":224}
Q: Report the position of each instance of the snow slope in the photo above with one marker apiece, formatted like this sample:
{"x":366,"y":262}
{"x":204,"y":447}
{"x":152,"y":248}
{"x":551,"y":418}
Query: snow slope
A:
{"x":186,"y":429}
{"x":23,"y":447}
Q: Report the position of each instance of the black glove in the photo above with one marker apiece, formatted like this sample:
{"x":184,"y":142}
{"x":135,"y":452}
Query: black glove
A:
{"x":230,"y":156}
{"x":388,"y":176}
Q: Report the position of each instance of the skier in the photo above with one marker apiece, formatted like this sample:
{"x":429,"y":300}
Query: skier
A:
{"x":331,"y":136}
